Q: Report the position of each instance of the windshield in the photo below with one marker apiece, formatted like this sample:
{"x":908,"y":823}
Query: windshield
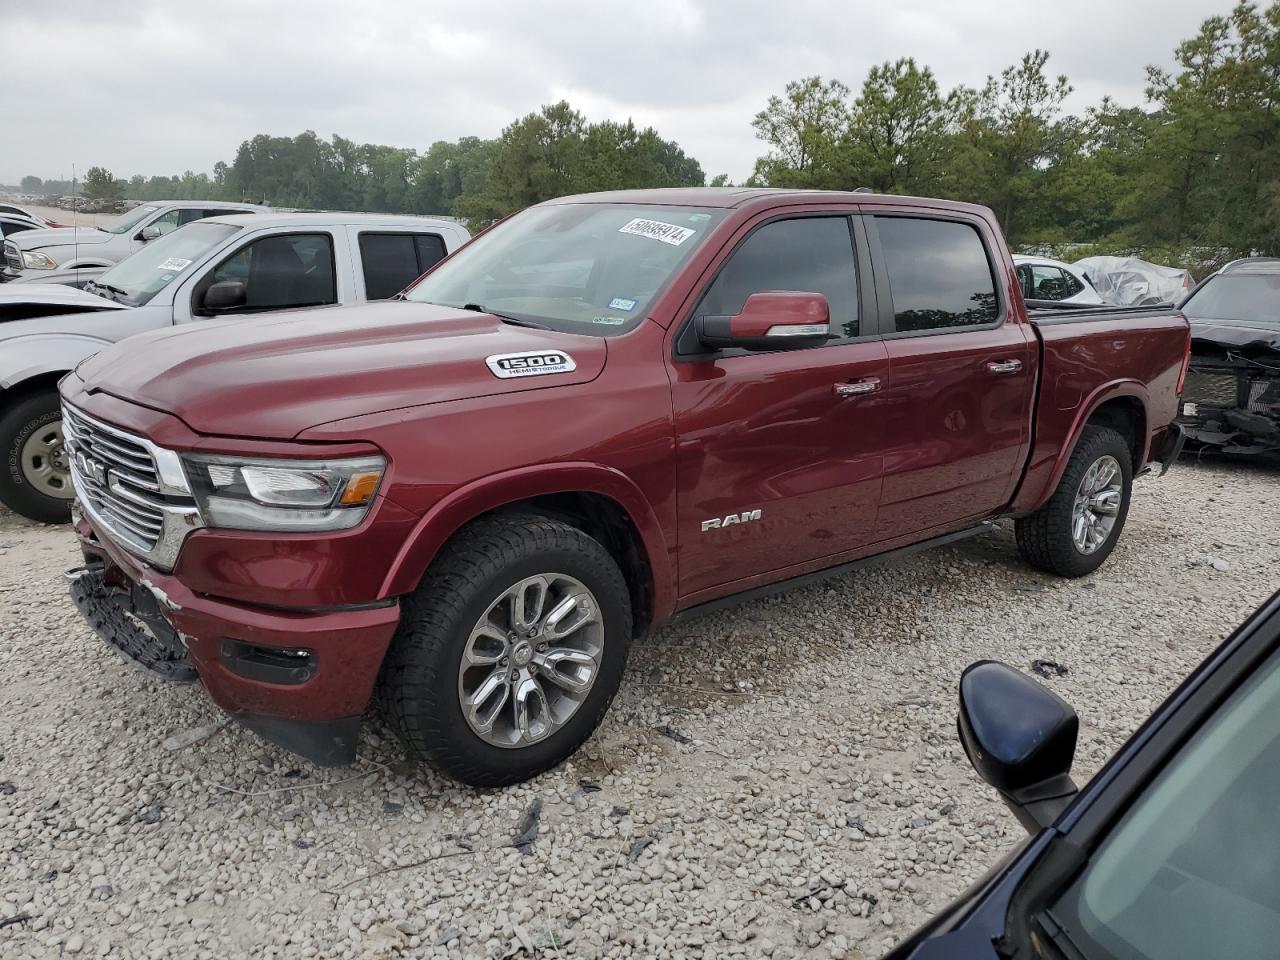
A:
{"x":1254,"y":299}
{"x":160,"y":262}
{"x":576,"y":267}
{"x":130,"y":219}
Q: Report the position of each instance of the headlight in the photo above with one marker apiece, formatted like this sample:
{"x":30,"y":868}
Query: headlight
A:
{"x":37,"y":261}
{"x":240,"y":493}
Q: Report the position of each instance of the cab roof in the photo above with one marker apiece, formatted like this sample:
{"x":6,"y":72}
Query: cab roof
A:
{"x":741,"y":197}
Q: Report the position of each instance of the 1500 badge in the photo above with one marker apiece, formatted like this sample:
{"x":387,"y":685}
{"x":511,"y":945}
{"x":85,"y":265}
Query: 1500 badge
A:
{"x":507,"y":366}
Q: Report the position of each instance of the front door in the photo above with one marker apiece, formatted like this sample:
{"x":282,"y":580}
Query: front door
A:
{"x":777,"y":465}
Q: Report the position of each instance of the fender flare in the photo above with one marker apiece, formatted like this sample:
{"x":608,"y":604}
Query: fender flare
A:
{"x":1113,"y":390}
{"x":447,"y":516}
{"x":84,"y":262}
{"x":42,"y":354}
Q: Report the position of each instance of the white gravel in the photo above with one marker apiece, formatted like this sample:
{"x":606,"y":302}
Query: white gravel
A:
{"x":822,"y":806}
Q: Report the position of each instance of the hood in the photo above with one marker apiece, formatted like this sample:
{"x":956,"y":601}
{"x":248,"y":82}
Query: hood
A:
{"x":273,"y":376}
{"x":1235,"y":334}
{"x":58,"y":236}
{"x":18,"y":300}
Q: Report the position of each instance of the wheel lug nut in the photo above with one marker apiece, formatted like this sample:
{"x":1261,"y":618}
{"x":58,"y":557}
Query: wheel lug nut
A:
{"x":503,"y":661}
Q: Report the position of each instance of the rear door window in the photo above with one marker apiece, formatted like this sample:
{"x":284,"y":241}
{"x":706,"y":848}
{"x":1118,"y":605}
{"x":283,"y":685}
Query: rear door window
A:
{"x":392,"y":261}
{"x":806,"y":254}
{"x":939,"y":274}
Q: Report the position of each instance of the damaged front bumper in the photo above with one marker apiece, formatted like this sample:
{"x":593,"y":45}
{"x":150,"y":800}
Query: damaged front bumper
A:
{"x":299,"y":678}
{"x":1232,"y":408}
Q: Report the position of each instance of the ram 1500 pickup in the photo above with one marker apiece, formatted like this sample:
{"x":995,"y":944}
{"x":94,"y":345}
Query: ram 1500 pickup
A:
{"x":220,"y":267}
{"x":607,"y":410}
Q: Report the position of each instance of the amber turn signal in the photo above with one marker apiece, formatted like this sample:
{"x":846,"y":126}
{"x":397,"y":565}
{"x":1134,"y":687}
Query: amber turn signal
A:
{"x":360,"y":488}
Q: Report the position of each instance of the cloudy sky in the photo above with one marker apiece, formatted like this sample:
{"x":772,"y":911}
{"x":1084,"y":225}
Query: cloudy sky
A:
{"x":142,"y":86}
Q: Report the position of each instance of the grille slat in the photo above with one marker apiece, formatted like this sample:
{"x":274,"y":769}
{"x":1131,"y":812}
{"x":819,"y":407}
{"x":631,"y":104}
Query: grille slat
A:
{"x":119,"y":497}
{"x":12,"y":256}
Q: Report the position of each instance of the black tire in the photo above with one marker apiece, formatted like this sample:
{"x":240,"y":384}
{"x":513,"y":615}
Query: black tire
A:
{"x":1044,"y":537}
{"x":17,"y":424}
{"x":419,"y":680}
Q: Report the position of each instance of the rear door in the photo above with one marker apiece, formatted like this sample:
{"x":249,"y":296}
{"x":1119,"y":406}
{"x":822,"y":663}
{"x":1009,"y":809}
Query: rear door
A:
{"x":961,"y":372}
{"x":775,"y":467}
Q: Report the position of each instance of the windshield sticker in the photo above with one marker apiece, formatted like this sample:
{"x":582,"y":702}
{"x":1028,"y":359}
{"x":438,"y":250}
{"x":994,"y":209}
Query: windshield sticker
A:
{"x":508,"y":366}
{"x":657,"y":230}
{"x":174,"y":263}
{"x":610,"y":321}
{"x":622,"y":303}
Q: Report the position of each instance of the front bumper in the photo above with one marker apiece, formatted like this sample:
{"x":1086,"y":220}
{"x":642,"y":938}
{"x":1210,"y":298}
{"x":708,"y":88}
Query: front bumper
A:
{"x":300,"y":678}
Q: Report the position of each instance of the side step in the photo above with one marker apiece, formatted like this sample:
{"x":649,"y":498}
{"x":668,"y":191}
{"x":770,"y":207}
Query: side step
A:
{"x":118,"y":617}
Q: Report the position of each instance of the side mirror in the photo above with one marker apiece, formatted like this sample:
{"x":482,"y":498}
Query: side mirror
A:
{"x":149,"y":233}
{"x":226,"y":295}
{"x":770,"y":320}
{"x":1020,"y":738}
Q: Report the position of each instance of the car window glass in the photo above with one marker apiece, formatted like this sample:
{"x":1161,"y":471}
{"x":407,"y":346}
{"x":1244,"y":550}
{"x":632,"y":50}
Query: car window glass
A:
{"x":1048,"y":283}
{"x":390,"y":262}
{"x":939,"y":274}
{"x":168,"y":222}
{"x":1024,"y":280}
{"x":286,"y":270}
{"x":808,"y":255}
{"x":431,"y":250}
{"x":1193,"y":868}
{"x":1074,"y":284}
{"x":8,"y":227}
{"x":1252,"y":298}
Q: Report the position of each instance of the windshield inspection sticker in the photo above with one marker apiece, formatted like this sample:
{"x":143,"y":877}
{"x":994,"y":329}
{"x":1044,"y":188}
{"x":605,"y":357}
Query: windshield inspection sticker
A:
{"x":174,"y":263}
{"x":508,"y":366}
{"x":657,"y":230}
{"x":610,"y":321}
{"x":622,"y":303}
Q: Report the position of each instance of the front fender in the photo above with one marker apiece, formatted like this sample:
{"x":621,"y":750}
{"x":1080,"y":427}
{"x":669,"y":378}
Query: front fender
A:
{"x":463,"y":505}
{"x":23,"y":358}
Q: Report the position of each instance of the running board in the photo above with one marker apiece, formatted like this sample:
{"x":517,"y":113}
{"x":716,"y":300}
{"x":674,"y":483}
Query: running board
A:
{"x":782,"y":586}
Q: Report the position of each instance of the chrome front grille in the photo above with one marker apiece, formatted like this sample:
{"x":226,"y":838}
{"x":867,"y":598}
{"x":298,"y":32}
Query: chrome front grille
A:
{"x":11,"y":256}
{"x":145,"y":509}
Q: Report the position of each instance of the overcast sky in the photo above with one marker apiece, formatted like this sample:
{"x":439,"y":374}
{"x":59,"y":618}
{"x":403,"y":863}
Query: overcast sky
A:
{"x":157,"y":88}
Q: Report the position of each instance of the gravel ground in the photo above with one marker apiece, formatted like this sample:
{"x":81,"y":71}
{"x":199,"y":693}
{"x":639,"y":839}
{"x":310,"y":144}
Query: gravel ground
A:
{"x":779,"y":780}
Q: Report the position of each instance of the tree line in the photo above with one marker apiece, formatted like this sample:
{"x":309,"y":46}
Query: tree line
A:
{"x":1191,"y":176}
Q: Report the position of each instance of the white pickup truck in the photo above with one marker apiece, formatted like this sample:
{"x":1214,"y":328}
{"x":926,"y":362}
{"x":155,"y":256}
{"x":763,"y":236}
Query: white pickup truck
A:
{"x":32,"y":254}
{"x":219,"y":267}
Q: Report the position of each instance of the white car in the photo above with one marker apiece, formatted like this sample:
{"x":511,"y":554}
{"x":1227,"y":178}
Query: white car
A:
{"x":1045,"y":279}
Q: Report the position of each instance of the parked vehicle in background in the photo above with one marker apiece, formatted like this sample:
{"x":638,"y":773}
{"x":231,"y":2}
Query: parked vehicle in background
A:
{"x":1132,"y":282}
{"x":218,"y":267}
{"x":12,"y":223}
{"x":1171,"y":852}
{"x":606,"y":410}
{"x":37,"y":251}
{"x":12,"y":209}
{"x":1232,"y":399}
{"x":1053,"y":280}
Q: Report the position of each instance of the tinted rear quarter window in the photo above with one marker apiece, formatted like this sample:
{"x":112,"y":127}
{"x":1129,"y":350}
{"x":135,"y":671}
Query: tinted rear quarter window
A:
{"x":807,"y":254}
{"x":939,"y":274}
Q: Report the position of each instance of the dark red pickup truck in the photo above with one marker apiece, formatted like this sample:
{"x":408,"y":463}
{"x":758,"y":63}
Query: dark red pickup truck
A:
{"x":606,"y":410}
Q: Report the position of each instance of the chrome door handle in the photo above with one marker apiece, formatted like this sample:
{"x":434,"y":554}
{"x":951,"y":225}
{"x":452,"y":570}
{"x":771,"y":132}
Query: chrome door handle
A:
{"x":870,"y":385}
{"x":1004,"y":366}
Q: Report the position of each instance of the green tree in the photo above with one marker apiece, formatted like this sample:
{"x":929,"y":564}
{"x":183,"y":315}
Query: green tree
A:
{"x":804,"y":129}
{"x":99,"y":184}
{"x":896,"y":138}
{"x":32,"y":185}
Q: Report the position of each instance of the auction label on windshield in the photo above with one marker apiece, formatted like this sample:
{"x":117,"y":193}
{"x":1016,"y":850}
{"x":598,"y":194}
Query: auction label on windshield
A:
{"x":536,"y":363}
{"x":657,"y":230}
{"x":174,"y":263}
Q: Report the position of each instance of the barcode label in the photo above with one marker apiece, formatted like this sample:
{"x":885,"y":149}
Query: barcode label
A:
{"x":657,"y":230}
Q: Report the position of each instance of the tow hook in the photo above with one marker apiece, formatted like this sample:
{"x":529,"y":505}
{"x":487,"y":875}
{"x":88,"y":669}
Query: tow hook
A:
{"x":75,"y":573}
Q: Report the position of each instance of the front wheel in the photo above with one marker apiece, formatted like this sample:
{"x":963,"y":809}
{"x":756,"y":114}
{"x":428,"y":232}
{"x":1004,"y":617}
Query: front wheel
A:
{"x":1077,"y":529}
{"x":36,"y":478}
{"x":510,"y":652}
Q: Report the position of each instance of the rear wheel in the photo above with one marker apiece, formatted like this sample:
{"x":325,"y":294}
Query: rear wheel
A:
{"x":1077,"y":529}
{"x":36,"y":479}
{"x":510,"y":652}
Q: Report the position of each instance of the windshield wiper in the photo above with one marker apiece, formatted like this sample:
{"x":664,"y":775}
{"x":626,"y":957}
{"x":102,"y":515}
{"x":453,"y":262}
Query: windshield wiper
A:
{"x":120,"y":295}
{"x":516,"y":321}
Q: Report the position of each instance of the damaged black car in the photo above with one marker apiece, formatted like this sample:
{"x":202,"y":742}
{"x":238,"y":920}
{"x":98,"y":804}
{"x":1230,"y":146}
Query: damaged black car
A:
{"x":1231,"y":402}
